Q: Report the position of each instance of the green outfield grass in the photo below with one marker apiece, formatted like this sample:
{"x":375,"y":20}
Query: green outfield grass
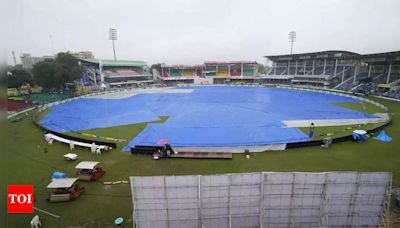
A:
{"x":28,"y":162}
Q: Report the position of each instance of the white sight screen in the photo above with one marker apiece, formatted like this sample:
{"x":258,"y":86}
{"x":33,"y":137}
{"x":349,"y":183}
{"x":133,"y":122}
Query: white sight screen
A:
{"x":268,"y":199}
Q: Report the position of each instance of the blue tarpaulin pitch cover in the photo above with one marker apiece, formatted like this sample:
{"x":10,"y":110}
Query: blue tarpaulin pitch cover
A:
{"x":207,"y":116}
{"x":383,"y":137}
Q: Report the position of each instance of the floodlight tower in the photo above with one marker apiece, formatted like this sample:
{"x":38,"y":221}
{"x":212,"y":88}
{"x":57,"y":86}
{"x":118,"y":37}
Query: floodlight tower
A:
{"x":15,"y":60}
{"x":113,"y":36}
{"x":292,"y":39}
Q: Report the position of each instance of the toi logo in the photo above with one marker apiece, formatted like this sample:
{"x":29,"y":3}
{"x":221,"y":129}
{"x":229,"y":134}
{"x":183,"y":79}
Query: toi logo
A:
{"x":20,"y":198}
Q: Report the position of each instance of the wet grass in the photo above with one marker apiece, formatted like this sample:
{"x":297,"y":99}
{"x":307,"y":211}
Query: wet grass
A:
{"x":28,"y":162}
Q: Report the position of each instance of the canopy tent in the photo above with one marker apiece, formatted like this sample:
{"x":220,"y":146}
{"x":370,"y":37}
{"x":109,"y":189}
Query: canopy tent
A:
{"x":383,"y":137}
{"x":86,"y":165}
{"x":62,"y":183}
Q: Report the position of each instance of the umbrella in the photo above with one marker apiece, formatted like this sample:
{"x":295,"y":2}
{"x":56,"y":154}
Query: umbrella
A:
{"x":162,"y":142}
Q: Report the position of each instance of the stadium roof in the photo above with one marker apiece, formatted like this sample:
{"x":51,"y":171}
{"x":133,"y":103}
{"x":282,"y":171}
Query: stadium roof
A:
{"x":384,"y":57}
{"x":230,"y":62}
{"x":336,"y":54}
{"x":182,"y":66}
{"x":111,"y":63}
{"x":206,"y":63}
{"x":376,"y":58}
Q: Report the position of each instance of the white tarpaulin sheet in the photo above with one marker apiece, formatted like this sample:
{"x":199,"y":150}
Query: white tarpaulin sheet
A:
{"x":331,"y":199}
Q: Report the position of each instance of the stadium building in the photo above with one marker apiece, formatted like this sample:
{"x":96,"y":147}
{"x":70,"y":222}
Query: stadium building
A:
{"x":213,"y":72}
{"x":379,"y":73}
{"x":82,"y":54}
{"x":28,"y":61}
{"x":343,"y":70}
{"x":115,"y":73}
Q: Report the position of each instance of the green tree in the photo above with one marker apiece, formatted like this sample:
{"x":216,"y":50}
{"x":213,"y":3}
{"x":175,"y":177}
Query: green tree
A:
{"x":67,"y":69}
{"x":43,"y":73}
{"x":18,"y":77}
{"x":55,"y":73}
{"x":261,"y":69}
{"x":156,"y":66}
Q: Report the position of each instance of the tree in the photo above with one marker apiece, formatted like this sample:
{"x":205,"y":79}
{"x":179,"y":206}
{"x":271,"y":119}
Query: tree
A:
{"x":261,"y":69}
{"x":43,"y":73}
{"x":55,"y":73}
{"x":18,"y":77}
{"x":156,"y":66}
{"x":67,"y":69}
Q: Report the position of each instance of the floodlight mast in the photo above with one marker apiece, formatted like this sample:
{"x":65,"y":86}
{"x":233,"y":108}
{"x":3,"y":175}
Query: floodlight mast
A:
{"x":292,"y":39}
{"x":113,"y":36}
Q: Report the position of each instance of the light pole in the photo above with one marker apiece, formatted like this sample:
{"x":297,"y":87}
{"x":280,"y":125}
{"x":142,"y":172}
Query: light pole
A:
{"x":292,"y":39}
{"x":113,"y":36}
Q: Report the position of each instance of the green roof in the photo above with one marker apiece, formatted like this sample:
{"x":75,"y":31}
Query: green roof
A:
{"x":107,"y":62}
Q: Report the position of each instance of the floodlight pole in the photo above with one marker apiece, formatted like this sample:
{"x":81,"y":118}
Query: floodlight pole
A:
{"x":291,"y":48}
{"x":292,"y":39}
{"x":115,"y":58}
{"x":113,"y":37}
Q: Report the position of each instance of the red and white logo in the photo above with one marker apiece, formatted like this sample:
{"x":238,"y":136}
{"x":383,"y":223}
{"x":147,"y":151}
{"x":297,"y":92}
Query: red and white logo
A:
{"x":20,"y":198}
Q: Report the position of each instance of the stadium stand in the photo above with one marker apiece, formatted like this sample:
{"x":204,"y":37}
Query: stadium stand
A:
{"x":376,"y":73}
{"x":178,"y":71}
{"x":236,"y":71}
{"x":189,"y":72}
{"x":121,"y":72}
{"x":210,"y":69}
{"x":175,"y":73}
{"x":222,"y":72}
{"x":165,"y":74}
{"x":16,"y":106}
{"x":114,"y":73}
{"x":342,"y":70}
{"x":248,"y":72}
{"x":219,"y":71}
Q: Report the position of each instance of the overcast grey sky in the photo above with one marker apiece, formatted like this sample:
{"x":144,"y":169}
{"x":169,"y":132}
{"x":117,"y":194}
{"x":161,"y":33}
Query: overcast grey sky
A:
{"x":192,"y":31}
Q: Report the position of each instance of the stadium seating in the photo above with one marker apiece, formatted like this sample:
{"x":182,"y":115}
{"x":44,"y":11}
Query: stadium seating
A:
{"x":15,"y":106}
{"x":248,"y":72}
{"x":189,"y":72}
{"x":318,"y":70}
{"x":222,"y":72}
{"x":329,"y":70}
{"x":346,"y":85}
{"x":392,"y":94}
{"x":165,"y":74}
{"x":123,"y":72}
{"x":339,"y":70}
{"x":210,"y":74}
{"x":379,"y":78}
{"x":176,"y":73}
{"x":361,"y":76}
{"x":394,"y":77}
{"x":236,"y":72}
{"x":280,"y":71}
